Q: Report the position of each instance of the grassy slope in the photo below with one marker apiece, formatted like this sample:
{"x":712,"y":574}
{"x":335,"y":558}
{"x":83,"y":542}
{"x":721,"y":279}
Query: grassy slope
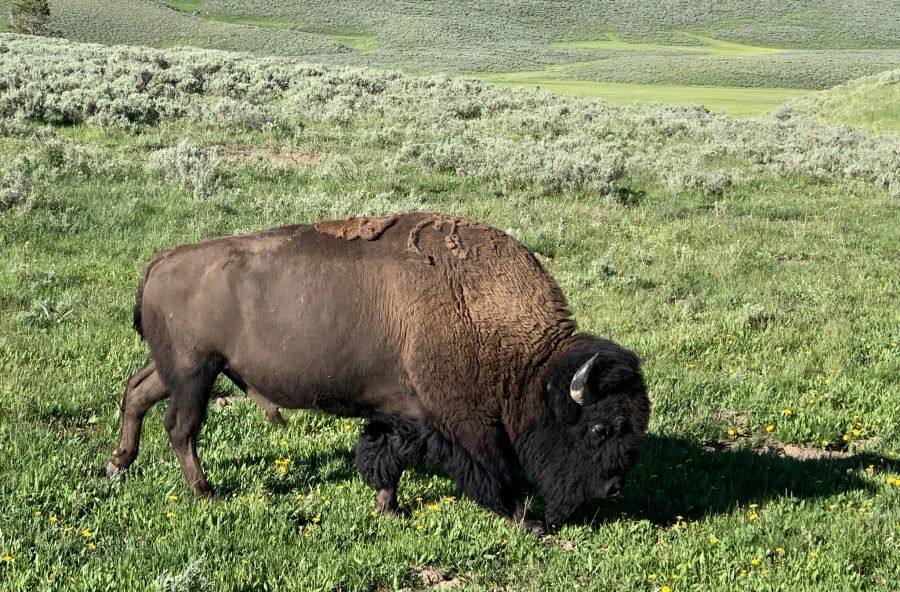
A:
{"x":781,"y":293}
{"x":871,"y":103}
{"x":739,"y":43}
{"x":749,"y":102}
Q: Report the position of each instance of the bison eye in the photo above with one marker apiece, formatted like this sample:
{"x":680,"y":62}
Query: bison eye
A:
{"x":601,"y":431}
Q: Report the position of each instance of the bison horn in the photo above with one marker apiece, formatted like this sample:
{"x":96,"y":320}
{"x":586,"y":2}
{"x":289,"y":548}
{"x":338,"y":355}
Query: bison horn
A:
{"x":579,"y":390}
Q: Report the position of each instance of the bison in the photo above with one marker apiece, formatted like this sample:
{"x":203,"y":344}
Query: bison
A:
{"x":446,"y":334}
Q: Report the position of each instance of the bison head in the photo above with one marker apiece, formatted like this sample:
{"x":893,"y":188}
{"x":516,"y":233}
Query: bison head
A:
{"x":594,"y":414}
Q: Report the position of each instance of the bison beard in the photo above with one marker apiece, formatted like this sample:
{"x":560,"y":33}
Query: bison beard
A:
{"x":446,"y":334}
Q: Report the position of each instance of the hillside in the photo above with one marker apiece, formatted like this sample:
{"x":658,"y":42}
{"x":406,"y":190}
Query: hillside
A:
{"x":667,"y":47}
{"x":751,"y":263}
{"x":871,"y":103}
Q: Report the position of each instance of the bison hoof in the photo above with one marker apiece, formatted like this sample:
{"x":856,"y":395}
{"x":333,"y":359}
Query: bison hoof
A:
{"x":113,"y":470}
{"x":531,"y":526}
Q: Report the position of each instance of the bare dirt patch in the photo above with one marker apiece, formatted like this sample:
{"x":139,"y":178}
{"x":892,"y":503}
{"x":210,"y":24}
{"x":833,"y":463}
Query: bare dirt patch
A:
{"x":775,"y":447}
{"x":277,"y":157}
{"x":435,"y":580}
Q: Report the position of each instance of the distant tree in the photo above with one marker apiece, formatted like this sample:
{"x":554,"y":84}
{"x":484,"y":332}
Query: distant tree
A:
{"x":28,"y":16}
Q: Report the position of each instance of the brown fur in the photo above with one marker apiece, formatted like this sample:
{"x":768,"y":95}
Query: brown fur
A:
{"x":459,"y":354}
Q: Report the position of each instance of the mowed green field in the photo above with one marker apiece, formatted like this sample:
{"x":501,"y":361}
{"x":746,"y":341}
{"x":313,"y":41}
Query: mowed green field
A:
{"x":752,"y":264}
{"x":612,"y":49}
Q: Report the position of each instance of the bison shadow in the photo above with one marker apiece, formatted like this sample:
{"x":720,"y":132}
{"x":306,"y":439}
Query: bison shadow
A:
{"x":676,"y":477}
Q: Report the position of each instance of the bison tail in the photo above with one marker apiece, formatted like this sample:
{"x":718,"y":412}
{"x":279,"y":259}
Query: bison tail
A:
{"x":139,"y":297}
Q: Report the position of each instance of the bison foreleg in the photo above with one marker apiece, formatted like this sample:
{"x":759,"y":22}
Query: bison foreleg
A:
{"x":381,"y":463}
{"x":143,"y":391}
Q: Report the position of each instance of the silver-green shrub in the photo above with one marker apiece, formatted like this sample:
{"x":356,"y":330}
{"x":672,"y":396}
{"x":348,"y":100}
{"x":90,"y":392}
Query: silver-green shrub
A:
{"x":187,"y":165}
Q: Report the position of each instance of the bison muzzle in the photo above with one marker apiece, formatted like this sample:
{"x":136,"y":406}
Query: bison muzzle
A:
{"x":446,"y":334}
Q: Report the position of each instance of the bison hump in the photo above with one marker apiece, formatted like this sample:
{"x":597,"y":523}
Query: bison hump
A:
{"x":365,"y":227}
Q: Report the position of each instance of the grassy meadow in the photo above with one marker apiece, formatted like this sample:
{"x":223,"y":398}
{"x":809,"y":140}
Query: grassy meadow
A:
{"x":627,"y":51}
{"x":753,"y":265}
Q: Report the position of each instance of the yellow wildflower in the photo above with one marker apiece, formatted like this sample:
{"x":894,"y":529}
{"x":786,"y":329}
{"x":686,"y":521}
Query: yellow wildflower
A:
{"x":504,"y":542}
{"x":419,"y":527}
{"x":755,"y":562}
{"x":665,"y":588}
{"x":779,"y":550}
{"x":713,"y":540}
{"x":38,"y":513}
{"x":770,"y":428}
{"x":870,"y":469}
{"x":316,"y":519}
{"x":813,"y":554}
{"x":856,"y":431}
{"x":827,"y":380}
{"x":434,"y":507}
{"x":731,"y":433}
{"x":348,"y":427}
{"x":169,"y":515}
{"x":86,"y":533}
{"x":91,"y":546}
{"x":651,"y":576}
{"x":825,"y":442}
{"x":753,"y":516}
{"x":845,"y":437}
{"x":8,"y":558}
{"x":787,"y":412}
{"x":327,"y":502}
{"x":173,"y":498}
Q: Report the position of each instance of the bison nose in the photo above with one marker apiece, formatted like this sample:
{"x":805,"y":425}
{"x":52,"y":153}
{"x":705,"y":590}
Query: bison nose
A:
{"x":612,"y":487}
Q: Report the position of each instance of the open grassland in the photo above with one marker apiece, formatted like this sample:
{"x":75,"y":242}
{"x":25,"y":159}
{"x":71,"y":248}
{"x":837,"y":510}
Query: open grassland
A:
{"x":749,"y":102}
{"x":771,"y":44}
{"x":871,"y":103}
{"x":753,"y":264}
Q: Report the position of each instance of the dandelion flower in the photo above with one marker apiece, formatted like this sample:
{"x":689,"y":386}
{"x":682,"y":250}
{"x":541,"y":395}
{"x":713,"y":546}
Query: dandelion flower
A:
{"x":755,"y":562}
{"x":787,"y":411}
{"x":752,"y":516}
{"x":713,"y":540}
{"x":504,"y":542}
{"x":419,"y":527}
{"x":91,"y":546}
{"x":316,"y":519}
{"x":825,"y":442}
{"x":813,"y":554}
{"x":38,"y":514}
{"x":770,"y":428}
{"x":651,"y":576}
{"x":173,"y":498}
{"x":870,"y":469}
{"x":169,"y":515}
{"x":348,"y":427}
{"x":434,"y":507}
{"x":86,"y":533}
{"x":665,"y":588}
{"x":327,"y":502}
{"x":8,"y":558}
{"x":731,"y":433}
{"x":856,"y":431}
{"x":845,"y":437}
{"x":779,"y":550}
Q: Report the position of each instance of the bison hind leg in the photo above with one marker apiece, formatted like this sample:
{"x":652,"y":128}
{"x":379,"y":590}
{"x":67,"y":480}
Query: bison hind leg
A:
{"x":190,"y":389}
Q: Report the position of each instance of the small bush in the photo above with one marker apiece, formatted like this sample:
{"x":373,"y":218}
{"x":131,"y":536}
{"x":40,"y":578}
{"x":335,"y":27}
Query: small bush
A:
{"x":28,"y":16}
{"x":189,"y":166}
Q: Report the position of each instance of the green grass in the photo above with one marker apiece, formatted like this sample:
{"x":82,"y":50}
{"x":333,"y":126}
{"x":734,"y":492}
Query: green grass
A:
{"x":750,"y":102}
{"x":708,"y":46}
{"x":186,"y":5}
{"x":61,"y":375}
{"x":358,"y":43}
{"x":871,"y":104}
